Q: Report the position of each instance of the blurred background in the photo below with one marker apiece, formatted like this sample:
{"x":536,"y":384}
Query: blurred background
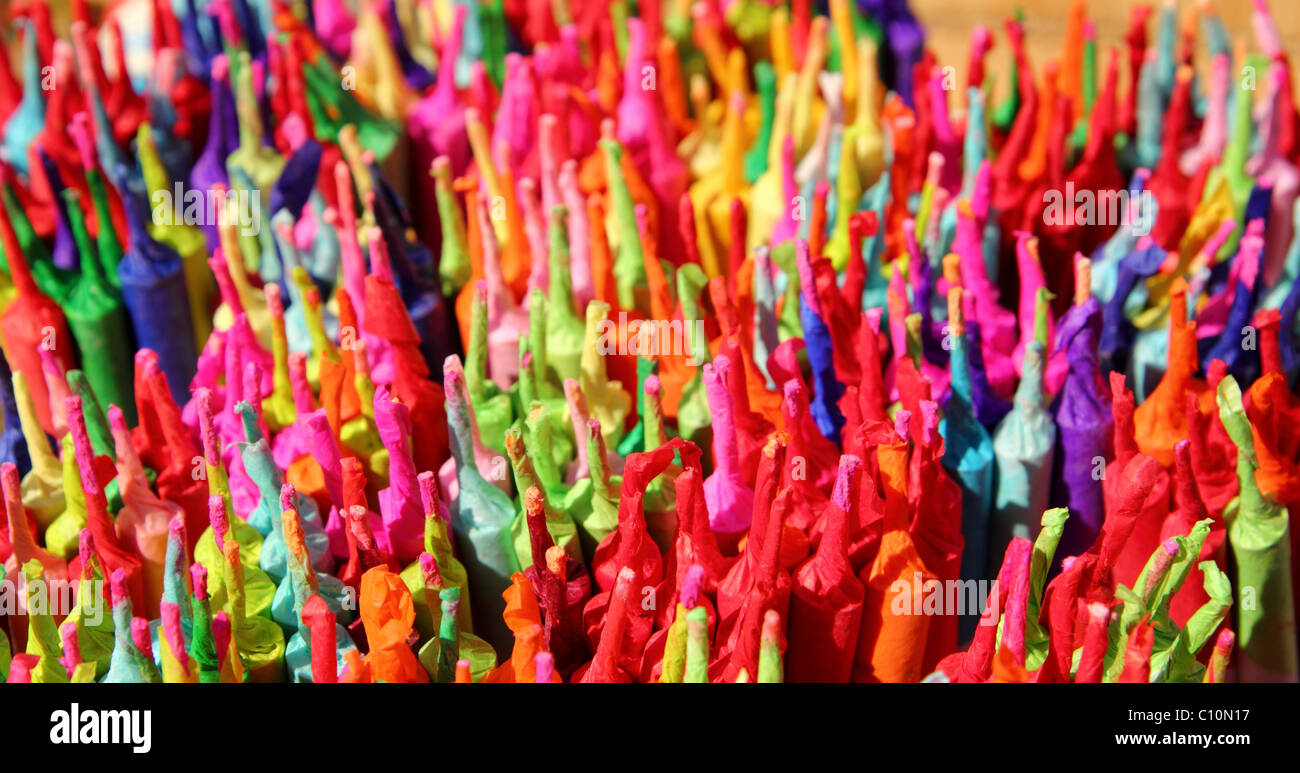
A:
{"x":948,"y":24}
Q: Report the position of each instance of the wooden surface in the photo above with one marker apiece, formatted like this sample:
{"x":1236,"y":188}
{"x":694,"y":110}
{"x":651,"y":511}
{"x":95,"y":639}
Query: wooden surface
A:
{"x":948,"y":24}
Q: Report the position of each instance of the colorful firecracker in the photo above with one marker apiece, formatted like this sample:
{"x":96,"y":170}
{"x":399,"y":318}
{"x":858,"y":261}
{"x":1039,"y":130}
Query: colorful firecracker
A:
{"x":657,"y":341}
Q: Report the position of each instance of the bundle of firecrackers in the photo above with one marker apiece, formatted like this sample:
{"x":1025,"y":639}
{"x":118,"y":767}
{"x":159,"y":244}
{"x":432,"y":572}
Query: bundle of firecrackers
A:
{"x":666,"y":341}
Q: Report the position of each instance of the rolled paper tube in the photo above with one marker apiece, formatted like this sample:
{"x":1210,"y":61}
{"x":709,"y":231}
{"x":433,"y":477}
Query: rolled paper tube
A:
{"x":545,"y":667}
{"x":603,"y":518}
{"x":210,"y":437}
{"x":99,"y":323}
{"x":94,"y":627}
{"x":203,"y":648}
{"x":1146,"y":534}
{"x":42,"y":632}
{"x":56,"y":384}
{"x":411,"y":384}
{"x":61,"y":534}
{"x":770,"y":589}
{"x":177,"y":666}
{"x":564,"y":329}
{"x":893,"y":634}
{"x":454,"y":265}
{"x":273,"y":554}
{"x":320,"y":621}
{"x":42,"y":492}
{"x":673,"y":666}
{"x":71,"y":650}
{"x":26,"y":122}
{"x":1136,"y":483}
{"x":604,"y":665}
{"x":101,"y":439}
{"x":23,"y":543}
{"x":579,"y":415}
{"x":21,"y":667}
{"x":304,"y":400}
{"x":1256,"y":535}
{"x":220,"y":523}
{"x":769,"y":657}
{"x":1162,"y":571}
{"x":826,"y":598}
{"x":1023,"y":446}
{"x":176,"y":589}
{"x":1083,"y":420}
{"x":968,"y":450}
{"x":630,"y":545}
{"x":634,"y":440}
{"x":1032,"y":281}
{"x":294,"y":186}
{"x":609,"y":403}
{"x":227,"y":656}
{"x":170,"y":450}
{"x":488,"y":416}
{"x":1093,"y":569}
{"x":437,"y":542}
{"x":1189,"y":517}
{"x":730,"y":500}
{"x":977,"y":663}
{"x":548,"y":574}
{"x":123,"y":664}
{"x":693,"y":522}
{"x":257,"y":640}
{"x":359,"y":524}
{"x":428,"y":616}
{"x":302,"y":581}
{"x":480,"y":521}
{"x":1248,"y":259}
{"x":560,"y":527}
{"x":697,"y":646}
{"x":1049,"y":535}
{"x":1010,"y":659}
{"x":144,"y":650}
{"x":448,"y":636}
{"x":114,"y":556}
{"x":1161,"y":419}
{"x":188,"y":242}
{"x":1217,"y":669}
{"x":426,"y":309}
{"x":154,"y":290}
{"x":437,"y":549}
{"x":1094,"y":644}
{"x":279,"y":406}
{"x":353,"y":263}
{"x":1137,"y":654}
{"x":30,"y":323}
{"x":733,"y":587}
{"x":505,"y":319}
{"x":325,"y":451}
{"x":819,"y":339}
{"x":403,"y":519}
{"x":661,"y":494}
{"x":1082,"y":280}
{"x":142,"y":519}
